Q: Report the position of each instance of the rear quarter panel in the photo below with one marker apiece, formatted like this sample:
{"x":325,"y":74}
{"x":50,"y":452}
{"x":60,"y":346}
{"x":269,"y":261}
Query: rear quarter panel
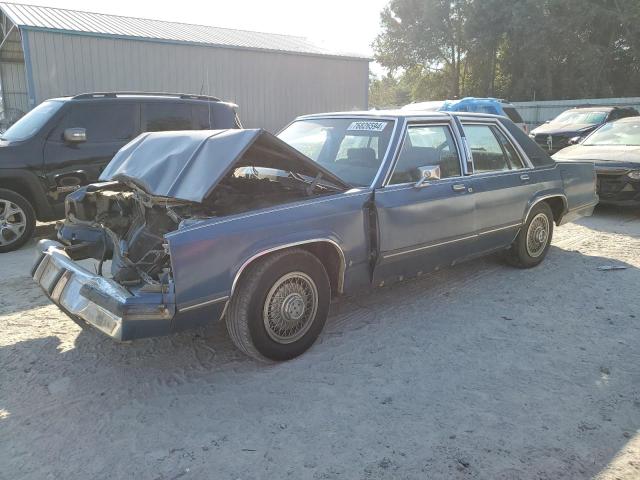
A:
{"x":579,"y":180}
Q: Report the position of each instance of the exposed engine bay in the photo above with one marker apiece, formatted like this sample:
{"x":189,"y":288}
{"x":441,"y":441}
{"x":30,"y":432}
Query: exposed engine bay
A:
{"x":120,"y":222}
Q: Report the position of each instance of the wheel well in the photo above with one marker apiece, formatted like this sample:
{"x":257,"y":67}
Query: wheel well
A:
{"x":329,"y":254}
{"x":557,"y":207}
{"x":18,"y":186}
{"x":332,"y":258}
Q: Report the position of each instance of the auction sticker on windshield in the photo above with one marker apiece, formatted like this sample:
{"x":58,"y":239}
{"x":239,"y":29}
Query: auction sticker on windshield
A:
{"x":367,"y":126}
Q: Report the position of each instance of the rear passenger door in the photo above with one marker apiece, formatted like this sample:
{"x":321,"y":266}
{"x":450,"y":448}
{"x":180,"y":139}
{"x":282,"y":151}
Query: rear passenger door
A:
{"x":502,"y":182}
{"x":166,"y":116}
{"x":423,"y":227}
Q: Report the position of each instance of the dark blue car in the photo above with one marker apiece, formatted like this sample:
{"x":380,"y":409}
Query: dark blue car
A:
{"x":264,"y":231}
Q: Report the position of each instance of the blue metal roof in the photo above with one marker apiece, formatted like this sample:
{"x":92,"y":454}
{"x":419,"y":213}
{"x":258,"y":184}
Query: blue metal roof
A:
{"x":81,"y":22}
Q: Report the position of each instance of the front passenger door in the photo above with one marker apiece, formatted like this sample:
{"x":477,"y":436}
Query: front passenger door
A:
{"x":107,"y":126}
{"x":422,"y":227}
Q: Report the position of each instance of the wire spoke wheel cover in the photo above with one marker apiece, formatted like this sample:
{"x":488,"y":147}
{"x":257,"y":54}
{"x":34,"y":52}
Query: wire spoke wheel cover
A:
{"x":537,"y":235}
{"x":290,"y":307}
{"x":13,"y":222}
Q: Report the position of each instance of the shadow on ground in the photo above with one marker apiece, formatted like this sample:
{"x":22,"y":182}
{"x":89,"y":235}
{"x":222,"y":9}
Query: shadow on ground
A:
{"x":481,"y":371}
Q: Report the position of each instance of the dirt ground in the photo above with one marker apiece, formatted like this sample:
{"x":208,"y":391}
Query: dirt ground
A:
{"x":478,"y":372}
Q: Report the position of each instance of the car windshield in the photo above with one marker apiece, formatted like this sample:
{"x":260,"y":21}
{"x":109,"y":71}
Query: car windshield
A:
{"x":616,"y":133}
{"x":350,"y":148}
{"x":573,"y":116}
{"x":33,"y":121}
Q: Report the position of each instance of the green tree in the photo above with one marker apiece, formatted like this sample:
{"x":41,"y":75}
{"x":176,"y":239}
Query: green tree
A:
{"x":517,"y":49}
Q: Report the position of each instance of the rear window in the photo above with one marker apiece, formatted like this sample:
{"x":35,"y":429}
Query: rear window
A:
{"x":212,"y":115}
{"x":513,"y":114}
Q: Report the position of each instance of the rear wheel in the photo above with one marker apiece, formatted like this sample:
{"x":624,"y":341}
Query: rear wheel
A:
{"x":533,"y":242}
{"x":280,"y":306}
{"x":17,"y":220}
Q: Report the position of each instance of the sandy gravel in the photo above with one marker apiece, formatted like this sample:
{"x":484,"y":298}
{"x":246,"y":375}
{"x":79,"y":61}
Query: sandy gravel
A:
{"x":478,"y":372}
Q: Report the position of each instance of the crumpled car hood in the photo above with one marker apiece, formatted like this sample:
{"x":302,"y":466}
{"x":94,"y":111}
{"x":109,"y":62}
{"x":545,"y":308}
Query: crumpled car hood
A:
{"x":187,"y":165}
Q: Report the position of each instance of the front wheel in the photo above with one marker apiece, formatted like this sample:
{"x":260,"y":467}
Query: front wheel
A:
{"x":17,"y":220}
{"x":533,"y":242}
{"x":280,"y":306}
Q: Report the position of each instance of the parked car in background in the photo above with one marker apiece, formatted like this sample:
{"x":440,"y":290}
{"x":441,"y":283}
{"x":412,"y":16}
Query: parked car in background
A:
{"x":572,"y":125}
{"x":65,"y":143}
{"x":614,"y":148}
{"x":430,"y":106}
{"x":264,"y":231}
{"x":492,"y":106}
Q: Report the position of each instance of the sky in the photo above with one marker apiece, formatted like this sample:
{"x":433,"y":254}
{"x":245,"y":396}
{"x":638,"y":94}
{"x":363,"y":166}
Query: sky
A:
{"x":344,"y":25}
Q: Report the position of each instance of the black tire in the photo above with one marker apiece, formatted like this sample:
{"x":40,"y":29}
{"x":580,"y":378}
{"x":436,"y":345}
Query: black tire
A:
{"x":519,"y":254}
{"x":245,"y":317}
{"x":9,"y":239}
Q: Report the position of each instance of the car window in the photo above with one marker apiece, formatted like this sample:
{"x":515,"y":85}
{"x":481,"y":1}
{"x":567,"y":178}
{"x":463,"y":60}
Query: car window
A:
{"x":32,"y":122}
{"x":488,"y":155}
{"x":167,"y":116}
{"x":580,"y":116}
{"x":103,"y":122}
{"x":212,"y":115}
{"x":513,"y":114}
{"x":426,"y":145}
{"x":350,"y":148}
{"x":618,"y":133}
{"x":512,"y":155}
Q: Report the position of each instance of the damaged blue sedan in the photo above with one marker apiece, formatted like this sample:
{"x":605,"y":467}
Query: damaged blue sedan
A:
{"x":187,"y":228}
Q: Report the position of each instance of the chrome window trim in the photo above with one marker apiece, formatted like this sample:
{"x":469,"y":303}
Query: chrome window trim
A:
{"x":425,"y":120}
{"x":422,"y":123}
{"x":497,"y":124}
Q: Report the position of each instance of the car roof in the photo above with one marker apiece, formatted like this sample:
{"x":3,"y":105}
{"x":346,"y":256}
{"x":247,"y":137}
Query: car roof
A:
{"x":140,"y":96}
{"x":396,"y":114}
{"x":603,"y":108}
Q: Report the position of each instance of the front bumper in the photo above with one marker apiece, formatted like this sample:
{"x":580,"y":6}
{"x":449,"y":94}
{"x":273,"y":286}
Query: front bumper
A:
{"x":121,"y":313}
{"x":617,"y":189}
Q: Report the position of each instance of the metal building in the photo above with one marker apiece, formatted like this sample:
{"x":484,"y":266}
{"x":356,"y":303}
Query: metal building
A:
{"x":48,"y":52}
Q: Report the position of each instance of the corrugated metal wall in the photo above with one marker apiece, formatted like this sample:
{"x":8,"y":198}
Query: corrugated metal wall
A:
{"x":12,"y":73}
{"x":270,"y":88}
{"x":536,"y":113}
{"x":14,"y":86}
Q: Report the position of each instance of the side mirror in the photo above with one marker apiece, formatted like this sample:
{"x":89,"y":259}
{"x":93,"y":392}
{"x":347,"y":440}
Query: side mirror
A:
{"x":75,"y":135}
{"x":574,"y":141}
{"x":428,"y":173}
{"x":547,"y":121}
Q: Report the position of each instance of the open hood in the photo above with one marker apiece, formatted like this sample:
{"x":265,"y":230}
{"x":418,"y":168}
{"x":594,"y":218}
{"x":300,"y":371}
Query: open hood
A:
{"x":187,"y":165}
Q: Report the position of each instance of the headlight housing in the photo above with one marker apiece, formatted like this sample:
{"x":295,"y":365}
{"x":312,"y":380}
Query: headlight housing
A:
{"x":634,"y":175}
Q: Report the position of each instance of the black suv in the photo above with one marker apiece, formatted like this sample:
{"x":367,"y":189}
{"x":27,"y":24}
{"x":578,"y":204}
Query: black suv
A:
{"x":65,"y":142}
{"x":574,"y":124}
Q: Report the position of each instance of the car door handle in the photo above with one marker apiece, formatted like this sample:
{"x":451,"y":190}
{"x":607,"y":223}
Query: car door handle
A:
{"x":458,"y":187}
{"x":524,"y":177}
